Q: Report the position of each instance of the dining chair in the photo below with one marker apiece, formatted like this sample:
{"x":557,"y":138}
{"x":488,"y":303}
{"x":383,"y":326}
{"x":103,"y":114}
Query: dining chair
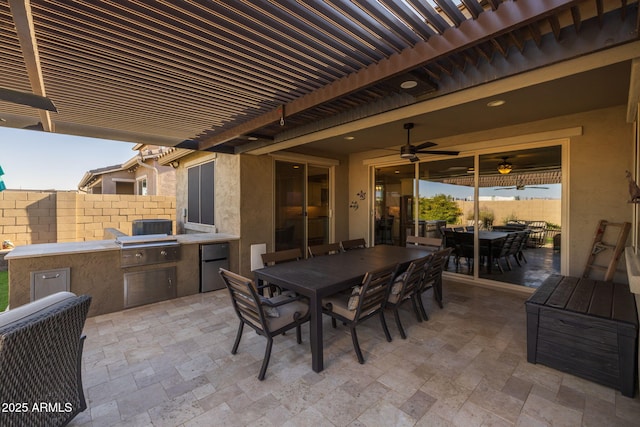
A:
{"x":273,"y":258}
{"x":347,"y":245}
{"x":325,"y":249}
{"x":429,"y":243}
{"x":267,"y":316}
{"x":502,"y":249}
{"x":432,"y":278}
{"x":406,"y":287}
{"x":365,"y":301}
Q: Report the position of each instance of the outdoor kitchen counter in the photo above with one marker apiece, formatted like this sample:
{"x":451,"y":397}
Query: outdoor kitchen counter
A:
{"x":95,"y":268}
{"x":65,"y":248}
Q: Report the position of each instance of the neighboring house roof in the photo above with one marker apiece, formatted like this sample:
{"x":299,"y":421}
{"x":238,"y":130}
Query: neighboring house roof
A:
{"x":145,"y":152}
{"x":237,"y":76}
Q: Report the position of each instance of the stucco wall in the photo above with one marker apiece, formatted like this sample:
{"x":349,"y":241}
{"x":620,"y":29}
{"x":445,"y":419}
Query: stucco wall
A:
{"x":48,"y":217}
{"x":549,"y":210}
{"x":597,"y":187}
{"x":256,"y":208}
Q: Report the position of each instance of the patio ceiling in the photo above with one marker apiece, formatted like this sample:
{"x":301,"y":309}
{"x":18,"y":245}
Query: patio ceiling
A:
{"x":246,"y":76}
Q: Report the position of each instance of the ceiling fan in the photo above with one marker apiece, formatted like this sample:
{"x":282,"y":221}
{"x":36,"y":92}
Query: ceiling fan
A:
{"x":521,"y":186}
{"x":27,"y":98}
{"x":410,"y":152}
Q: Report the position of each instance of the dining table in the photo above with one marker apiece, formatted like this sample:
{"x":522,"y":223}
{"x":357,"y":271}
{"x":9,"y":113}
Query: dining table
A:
{"x":319,"y":277}
{"x":488,"y":241}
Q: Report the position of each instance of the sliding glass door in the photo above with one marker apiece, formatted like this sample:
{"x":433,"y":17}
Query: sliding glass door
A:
{"x":500,"y":212}
{"x":302,"y":205}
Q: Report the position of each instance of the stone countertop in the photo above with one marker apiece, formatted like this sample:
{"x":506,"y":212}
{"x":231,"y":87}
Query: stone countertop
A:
{"x":50,"y":249}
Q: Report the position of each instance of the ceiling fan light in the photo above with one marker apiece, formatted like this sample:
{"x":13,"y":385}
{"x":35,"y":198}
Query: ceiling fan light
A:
{"x":505,"y":167}
{"x":407,"y":152}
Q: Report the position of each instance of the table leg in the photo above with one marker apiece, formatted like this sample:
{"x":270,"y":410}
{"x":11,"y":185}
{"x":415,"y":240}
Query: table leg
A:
{"x":315,"y":306}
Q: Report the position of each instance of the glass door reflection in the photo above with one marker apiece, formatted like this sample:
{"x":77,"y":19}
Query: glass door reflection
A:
{"x":394,"y":204}
{"x":289,"y":205}
{"x":446,"y":190}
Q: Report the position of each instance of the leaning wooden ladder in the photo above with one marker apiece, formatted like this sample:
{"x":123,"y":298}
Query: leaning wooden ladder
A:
{"x":595,"y":261}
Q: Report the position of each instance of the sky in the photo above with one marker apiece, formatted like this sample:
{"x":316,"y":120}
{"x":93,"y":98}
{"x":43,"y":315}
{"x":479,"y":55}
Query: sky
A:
{"x":553,"y":191}
{"x":34,"y":160}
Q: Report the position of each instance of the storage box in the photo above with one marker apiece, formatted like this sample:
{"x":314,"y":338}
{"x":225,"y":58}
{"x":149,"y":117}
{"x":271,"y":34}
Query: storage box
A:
{"x":587,"y":328}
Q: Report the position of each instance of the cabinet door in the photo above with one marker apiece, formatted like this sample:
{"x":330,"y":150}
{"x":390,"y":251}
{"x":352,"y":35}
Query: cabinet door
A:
{"x":48,"y":282}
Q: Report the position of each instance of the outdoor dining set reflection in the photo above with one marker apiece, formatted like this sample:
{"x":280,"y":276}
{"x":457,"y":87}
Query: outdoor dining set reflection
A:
{"x":347,"y":281}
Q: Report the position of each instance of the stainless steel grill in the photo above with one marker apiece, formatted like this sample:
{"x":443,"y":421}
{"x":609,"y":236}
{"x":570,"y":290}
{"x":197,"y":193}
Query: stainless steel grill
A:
{"x":148,"y":285}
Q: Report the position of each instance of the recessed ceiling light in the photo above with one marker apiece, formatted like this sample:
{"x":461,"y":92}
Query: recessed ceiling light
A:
{"x":408,"y":84}
{"x":496,"y":103}
{"x":349,"y":138}
{"x":396,"y":171}
{"x":252,"y":138}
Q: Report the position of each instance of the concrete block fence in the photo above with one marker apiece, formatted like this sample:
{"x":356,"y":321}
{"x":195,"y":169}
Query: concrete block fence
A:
{"x":28,"y":217}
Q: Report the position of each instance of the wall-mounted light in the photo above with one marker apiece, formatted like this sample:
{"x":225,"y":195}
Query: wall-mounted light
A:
{"x":174,"y":164}
{"x":505,"y":167}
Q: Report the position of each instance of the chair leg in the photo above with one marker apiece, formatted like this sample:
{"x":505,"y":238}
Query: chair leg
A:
{"x":384,"y":326}
{"x":396,"y":314}
{"x":422,"y":310}
{"x":416,"y":309}
{"x":267,"y":356}
{"x":234,"y":350}
{"x":437,"y":292}
{"x":299,"y":334}
{"x":356,"y":346}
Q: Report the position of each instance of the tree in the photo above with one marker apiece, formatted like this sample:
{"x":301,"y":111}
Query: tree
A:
{"x":439,"y":207}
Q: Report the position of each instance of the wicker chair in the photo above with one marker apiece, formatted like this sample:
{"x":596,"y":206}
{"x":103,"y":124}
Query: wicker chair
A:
{"x":268,"y":317}
{"x":40,"y":360}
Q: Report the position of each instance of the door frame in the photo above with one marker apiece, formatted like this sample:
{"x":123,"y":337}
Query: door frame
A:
{"x":554,"y":138}
{"x":307,"y":160}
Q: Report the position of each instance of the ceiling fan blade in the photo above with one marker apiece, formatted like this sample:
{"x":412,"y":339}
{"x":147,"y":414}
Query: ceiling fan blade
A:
{"x":27,"y":98}
{"x":442,"y":152}
{"x":427,"y":144}
{"x":37,"y":126}
{"x":505,"y":188}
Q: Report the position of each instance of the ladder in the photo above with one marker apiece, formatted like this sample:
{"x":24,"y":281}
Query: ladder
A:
{"x":603,"y":252}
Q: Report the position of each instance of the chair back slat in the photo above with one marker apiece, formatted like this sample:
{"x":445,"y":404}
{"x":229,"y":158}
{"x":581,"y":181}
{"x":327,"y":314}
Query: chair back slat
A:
{"x":325,"y":249}
{"x":374,"y":290}
{"x":348,"y":245}
{"x":414,"y":277}
{"x":427,"y":242}
{"x":272,"y":258}
{"x":244,"y":299}
{"x":435,"y":265}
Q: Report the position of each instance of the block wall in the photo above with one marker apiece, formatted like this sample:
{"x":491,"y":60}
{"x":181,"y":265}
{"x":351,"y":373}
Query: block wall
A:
{"x":28,"y":217}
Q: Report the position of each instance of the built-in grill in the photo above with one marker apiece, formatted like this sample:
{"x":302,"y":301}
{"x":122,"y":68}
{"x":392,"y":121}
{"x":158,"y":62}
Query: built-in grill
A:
{"x":148,"y":249}
{"x":156,"y":283}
